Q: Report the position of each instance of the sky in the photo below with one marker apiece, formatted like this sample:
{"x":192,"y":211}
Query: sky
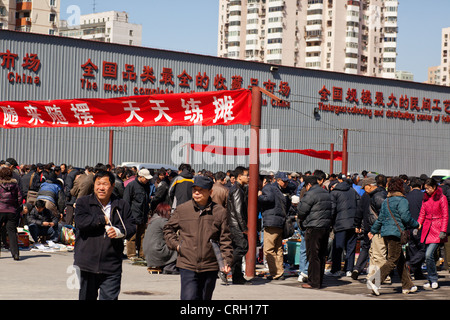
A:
{"x":192,"y":26}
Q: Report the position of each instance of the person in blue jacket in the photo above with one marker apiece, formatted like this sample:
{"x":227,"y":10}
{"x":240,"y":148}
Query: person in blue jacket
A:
{"x":395,"y":205}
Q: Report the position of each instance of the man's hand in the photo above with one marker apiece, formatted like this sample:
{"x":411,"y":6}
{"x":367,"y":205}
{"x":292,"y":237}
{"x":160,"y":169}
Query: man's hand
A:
{"x":226,"y":269}
{"x":111,"y":232}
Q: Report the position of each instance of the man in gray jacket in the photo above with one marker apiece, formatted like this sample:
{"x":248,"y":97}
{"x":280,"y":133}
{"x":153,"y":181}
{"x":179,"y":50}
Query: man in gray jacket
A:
{"x":314,"y":213}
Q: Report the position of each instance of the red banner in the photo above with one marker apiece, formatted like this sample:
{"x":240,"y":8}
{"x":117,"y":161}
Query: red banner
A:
{"x":231,"y":151}
{"x":180,"y":109}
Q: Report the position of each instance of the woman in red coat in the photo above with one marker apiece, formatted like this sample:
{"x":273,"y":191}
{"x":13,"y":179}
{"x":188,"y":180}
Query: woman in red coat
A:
{"x":433,"y":220}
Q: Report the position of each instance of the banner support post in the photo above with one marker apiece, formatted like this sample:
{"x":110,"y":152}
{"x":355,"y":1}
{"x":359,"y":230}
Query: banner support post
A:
{"x":252,"y":212}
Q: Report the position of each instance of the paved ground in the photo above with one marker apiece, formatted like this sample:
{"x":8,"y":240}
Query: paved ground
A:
{"x":50,"y":276}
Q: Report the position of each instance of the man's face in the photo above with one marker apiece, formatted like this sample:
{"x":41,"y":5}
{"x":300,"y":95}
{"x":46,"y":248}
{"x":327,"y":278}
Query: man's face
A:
{"x":282,"y":184}
{"x":243,"y":178}
{"x":103,"y":189}
{"x":143,"y":180}
{"x":200,"y":195}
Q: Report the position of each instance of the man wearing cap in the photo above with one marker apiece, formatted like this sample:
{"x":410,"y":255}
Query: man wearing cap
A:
{"x":274,"y":207}
{"x":137,"y":194}
{"x":190,"y":230}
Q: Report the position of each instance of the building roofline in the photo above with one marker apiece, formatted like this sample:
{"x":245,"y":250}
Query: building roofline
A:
{"x":64,"y":38}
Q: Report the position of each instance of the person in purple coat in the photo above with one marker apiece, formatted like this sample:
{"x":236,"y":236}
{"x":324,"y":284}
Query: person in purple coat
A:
{"x":10,"y":201}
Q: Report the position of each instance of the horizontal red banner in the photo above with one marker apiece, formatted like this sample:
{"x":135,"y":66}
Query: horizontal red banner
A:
{"x":231,"y":151}
{"x":227,"y":107}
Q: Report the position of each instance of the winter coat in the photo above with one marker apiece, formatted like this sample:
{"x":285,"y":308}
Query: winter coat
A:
{"x":273,"y":205}
{"x":191,"y":228}
{"x":433,"y":216}
{"x":83,"y":185}
{"x":54,"y":193}
{"x":237,"y":208}
{"x":161,"y":194}
{"x":137,"y":195}
{"x":10,"y":196}
{"x":220,"y":194}
{"x":314,"y":209}
{"x":156,"y":252}
{"x":37,"y":218}
{"x":94,"y":251}
{"x":369,"y":208}
{"x":181,"y":188}
{"x":415,"y":198}
{"x":399,"y":206}
{"x":345,"y":206}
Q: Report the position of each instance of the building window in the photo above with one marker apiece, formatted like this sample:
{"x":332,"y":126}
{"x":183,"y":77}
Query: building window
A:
{"x":52,"y":17}
{"x":131,"y":33}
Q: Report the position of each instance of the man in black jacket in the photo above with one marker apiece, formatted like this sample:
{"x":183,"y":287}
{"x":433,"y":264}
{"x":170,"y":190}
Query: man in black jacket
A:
{"x":237,"y":220}
{"x":181,"y":188}
{"x":345,"y":206}
{"x":314,"y":213}
{"x":416,"y":249}
{"x":137,"y":195}
{"x":102,"y":223}
{"x":274,"y":206}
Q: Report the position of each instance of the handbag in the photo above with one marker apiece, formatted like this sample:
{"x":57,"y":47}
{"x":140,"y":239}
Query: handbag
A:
{"x":404,"y":234}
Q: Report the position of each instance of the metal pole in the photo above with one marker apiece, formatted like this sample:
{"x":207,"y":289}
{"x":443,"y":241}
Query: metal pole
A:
{"x":111,"y":144}
{"x":331,"y":158}
{"x":255,"y":125}
{"x":344,"y":152}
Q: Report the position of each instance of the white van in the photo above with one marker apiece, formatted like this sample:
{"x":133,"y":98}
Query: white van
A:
{"x":439,"y":174}
{"x":149,"y":166}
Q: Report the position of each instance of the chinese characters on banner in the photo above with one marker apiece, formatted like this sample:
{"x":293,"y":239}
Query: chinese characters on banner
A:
{"x":391,"y":106}
{"x":228,"y":107}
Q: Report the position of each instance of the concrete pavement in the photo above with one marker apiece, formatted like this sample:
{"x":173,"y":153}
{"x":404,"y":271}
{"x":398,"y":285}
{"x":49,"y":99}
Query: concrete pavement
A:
{"x":51,"y":276}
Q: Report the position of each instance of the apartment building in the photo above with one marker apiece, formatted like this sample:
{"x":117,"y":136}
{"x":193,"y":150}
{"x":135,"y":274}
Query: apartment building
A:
{"x":356,"y":37}
{"x":110,"y":26}
{"x":37,"y":16}
{"x":434,"y":75}
{"x":444,"y":68}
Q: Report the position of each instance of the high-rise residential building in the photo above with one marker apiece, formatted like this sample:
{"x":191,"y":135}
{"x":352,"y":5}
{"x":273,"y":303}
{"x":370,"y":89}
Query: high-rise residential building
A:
{"x":110,"y":26}
{"x":37,"y":16}
{"x":358,"y":37}
{"x":445,"y":58}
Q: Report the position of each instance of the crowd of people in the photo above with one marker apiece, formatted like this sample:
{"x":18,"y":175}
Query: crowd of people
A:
{"x":174,"y":220}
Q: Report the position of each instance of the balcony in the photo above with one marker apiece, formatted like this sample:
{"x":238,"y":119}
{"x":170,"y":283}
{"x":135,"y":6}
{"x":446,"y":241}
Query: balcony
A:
{"x":24,"y":6}
{"x":23,"y":22}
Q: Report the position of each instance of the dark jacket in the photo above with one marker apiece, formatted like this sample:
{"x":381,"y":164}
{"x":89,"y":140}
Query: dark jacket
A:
{"x":237,"y":208}
{"x":137,"y":195}
{"x":369,"y":208}
{"x":94,"y":251}
{"x":161,"y":193}
{"x":191,"y":228}
{"x":345,"y":205}
{"x":37,"y":218}
{"x":181,"y":188}
{"x":415,"y":198}
{"x":273,"y":205}
{"x":10,"y":196}
{"x":68,"y":185}
{"x":314,"y":209}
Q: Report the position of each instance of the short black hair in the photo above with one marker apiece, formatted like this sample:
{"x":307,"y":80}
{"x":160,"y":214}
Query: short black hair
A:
{"x":103,"y":173}
{"x":239,"y":171}
{"x":39,"y":204}
{"x":219,"y":176}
